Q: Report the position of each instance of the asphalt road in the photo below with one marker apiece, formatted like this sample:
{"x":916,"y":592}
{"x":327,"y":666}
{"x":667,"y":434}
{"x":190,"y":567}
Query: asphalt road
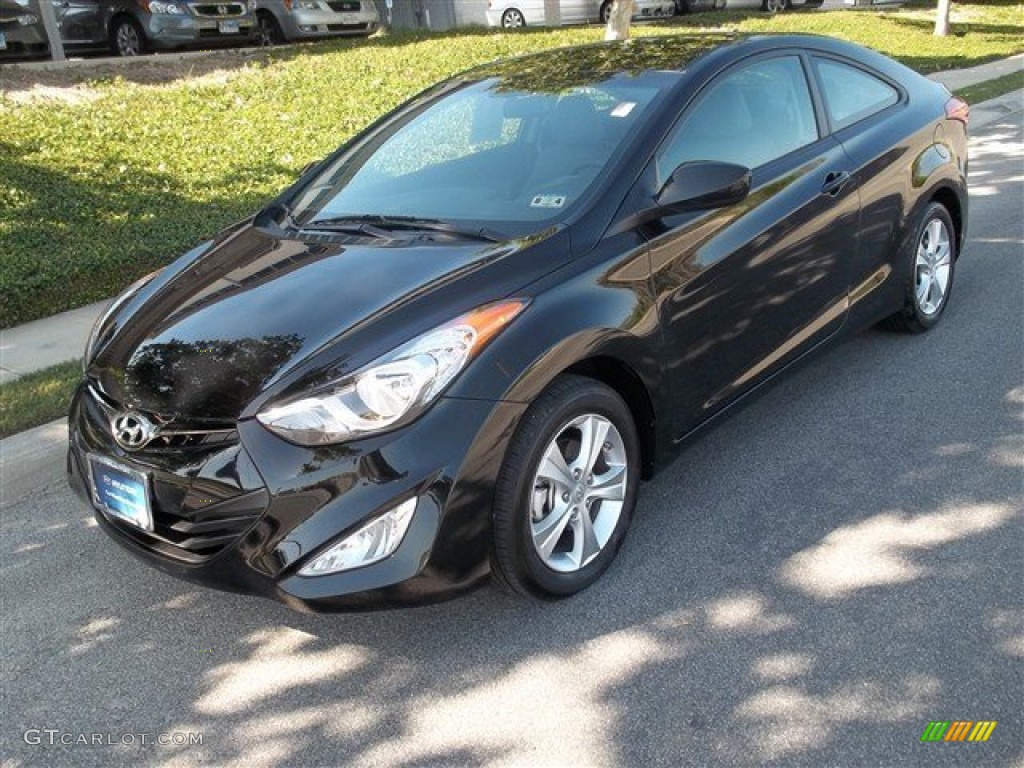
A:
{"x":812,"y":583}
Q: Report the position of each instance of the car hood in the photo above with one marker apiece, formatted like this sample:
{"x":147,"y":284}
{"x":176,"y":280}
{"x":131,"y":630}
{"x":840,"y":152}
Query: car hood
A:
{"x":212,"y":333}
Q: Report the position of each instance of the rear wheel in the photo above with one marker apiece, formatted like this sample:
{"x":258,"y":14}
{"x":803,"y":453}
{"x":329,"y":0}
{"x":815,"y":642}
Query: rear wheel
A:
{"x":512,"y":19}
{"x":774,"y":6}
{"x":566,"y":491}
{"x":606,"y":11}
{"x":932,"y":263}
{"x":127,"y":37}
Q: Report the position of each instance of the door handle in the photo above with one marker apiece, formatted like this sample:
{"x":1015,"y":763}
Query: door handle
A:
{"x":834,"y":182}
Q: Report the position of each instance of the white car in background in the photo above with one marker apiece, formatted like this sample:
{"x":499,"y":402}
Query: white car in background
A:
{"x":281,"y":20}
{"x":521,"y":13}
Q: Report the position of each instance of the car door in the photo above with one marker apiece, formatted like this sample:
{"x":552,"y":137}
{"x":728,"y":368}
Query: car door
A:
{"x":80,"y":21}
{"x":744,"y":290}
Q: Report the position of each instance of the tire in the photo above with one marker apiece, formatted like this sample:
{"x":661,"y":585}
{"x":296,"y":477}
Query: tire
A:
{"x":581,"y":545}
{"x":127,"y":37}
{"x":930,"y":263}
{"x":268,"y":31}
{"x":513,"y":19}
{"x":606,"y":11}
{"x":774,"y":6}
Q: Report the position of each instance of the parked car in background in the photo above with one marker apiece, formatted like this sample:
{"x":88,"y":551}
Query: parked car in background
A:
{"x":281,"y":20}
{"x":132,"y":27}
{"x":457,"y":344}
{"x":774,"y":6}
{"x":22,"y":34}
{"x":521,"y":13}
{"x":689,"y":6}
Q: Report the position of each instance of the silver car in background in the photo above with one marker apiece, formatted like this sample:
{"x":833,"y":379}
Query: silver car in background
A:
{"x":521,"y":13}
{"x":281,"y":20}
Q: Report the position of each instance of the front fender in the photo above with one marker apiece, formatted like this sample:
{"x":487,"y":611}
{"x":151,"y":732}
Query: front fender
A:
{"x":597,"y":309}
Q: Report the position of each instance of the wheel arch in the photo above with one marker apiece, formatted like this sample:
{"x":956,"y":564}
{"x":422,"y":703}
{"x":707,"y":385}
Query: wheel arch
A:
{"x":123,"y":14}
{"x":946,"y":196}
{"x":628,"y":384}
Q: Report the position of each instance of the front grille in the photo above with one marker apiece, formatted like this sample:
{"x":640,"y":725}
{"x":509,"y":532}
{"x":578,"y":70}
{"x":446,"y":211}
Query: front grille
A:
{"x":219,"y":10}
{"x":346,"y":27}
{"x":174,"y":435}
{"x":201,"y":533}
{"x":195,"y":515}
{"x":344,"y":5}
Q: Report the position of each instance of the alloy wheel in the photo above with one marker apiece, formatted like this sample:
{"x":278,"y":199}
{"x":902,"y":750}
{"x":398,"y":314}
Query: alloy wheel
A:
{"x":932,"y":267}
{"x":265,"y":30}
{"x":512,"y":19}
{"x":578,"y":493}
{"x":128,"y":43}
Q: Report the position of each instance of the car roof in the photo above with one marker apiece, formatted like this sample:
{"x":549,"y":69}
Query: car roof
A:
{"x":559,"y":68}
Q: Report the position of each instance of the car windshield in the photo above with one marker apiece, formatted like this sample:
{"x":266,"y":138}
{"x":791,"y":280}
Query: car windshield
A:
{"x":484,"y":152}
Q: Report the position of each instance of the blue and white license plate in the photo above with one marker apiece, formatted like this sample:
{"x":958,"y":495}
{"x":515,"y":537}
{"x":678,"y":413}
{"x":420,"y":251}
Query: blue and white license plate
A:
{"x":121,"y":492}
{"x":228,"y":27}
{"x":3,"y":42}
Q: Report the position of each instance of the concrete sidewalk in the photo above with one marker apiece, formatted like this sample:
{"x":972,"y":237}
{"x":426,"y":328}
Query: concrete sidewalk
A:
{"x":51,"y":340}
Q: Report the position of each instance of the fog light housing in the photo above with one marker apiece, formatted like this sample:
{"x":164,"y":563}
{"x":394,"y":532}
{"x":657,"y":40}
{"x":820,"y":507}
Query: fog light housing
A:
{"x":376,"y":540}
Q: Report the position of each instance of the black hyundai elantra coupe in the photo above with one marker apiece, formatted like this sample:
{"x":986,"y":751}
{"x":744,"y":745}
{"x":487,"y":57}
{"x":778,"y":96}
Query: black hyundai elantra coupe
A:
{"x":454,"y":347}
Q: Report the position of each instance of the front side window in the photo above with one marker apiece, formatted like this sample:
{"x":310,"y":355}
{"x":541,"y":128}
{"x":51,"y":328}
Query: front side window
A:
{"x":750,"y":117}
{"x":851,"y":94}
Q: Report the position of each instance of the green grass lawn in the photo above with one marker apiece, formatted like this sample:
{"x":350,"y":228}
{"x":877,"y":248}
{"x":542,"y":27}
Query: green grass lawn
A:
{"x":95,"y":193}
{"x":38,"y":397}
{"x":992,"y":88}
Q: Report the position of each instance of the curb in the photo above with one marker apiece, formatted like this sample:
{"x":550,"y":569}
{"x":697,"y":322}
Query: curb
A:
{"x":136,"y":61}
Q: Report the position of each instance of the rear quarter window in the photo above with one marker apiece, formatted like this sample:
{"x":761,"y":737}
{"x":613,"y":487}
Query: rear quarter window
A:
{"x":851,"y":94}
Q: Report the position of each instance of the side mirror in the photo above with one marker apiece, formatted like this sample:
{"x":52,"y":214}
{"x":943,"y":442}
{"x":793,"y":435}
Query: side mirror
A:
{"x":703,"y":185}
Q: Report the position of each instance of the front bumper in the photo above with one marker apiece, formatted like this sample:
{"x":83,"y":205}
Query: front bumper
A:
{"x":246,"y":514}
{"x":309,"y":24}
{"x":167,"y":31}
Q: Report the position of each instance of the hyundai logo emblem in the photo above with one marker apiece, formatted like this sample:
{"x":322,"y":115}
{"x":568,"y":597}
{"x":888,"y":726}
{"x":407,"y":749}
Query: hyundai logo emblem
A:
{"x":222,"y":10}
{"x":132,"y":431}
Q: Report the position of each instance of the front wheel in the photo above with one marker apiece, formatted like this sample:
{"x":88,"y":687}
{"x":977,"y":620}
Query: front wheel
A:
{"x":513,"y":19}
{"x":268,"y":31}
{"x":566,"y":491}
{"x":932,"y":263}
{"x":774,"y":6}
{"x":127,"y":38}
{"x":606,"y":11}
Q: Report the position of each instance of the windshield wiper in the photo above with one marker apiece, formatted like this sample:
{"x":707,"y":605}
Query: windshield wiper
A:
{"x":377,"y":225}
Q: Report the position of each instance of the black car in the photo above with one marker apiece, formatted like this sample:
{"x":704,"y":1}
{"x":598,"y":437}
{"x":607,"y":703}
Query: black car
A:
{"x":456,"y":346}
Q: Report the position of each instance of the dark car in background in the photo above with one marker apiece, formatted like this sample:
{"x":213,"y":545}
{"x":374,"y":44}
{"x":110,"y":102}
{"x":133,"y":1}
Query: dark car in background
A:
{"x":691,"y":6}
{"x":294,"y":20}
{"x":133,"y":27}
{"x":22,"y":34}
{"x":456,"y":345}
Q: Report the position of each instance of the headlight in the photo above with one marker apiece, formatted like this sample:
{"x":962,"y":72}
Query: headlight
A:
{"x":396,"y":388}
{"x":105,"y":315}
{"x":306,"y":5}
{"x":159,"y":6}
{"x":27,"y":19}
